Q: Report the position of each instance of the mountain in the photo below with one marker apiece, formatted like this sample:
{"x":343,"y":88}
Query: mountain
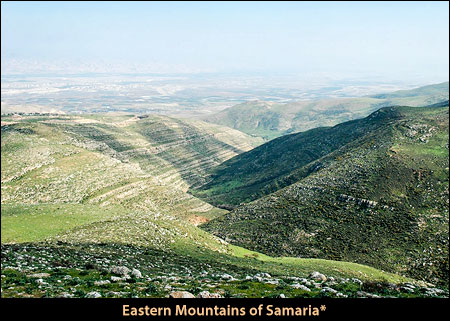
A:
{"x":282,"y":161}
{"x":270,"y":120}
{"x":97,"y":205}
{"x":438,"y":91}
{"x":88,"y":169}
{"x":372,"y":191}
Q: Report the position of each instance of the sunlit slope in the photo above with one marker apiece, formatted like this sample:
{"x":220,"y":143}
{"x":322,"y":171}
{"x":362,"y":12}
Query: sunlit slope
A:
{"x":381,"y":199}
{"x":270,"y":120}
{"x":143,"y":163}
{"x":81,"y":195}
{"x":62,"y":176}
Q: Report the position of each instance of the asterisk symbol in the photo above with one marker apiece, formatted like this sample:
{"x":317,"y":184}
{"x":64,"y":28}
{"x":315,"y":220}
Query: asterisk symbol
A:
{"x":323,"y":308}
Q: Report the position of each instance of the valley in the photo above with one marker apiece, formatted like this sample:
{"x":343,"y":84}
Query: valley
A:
{"x":271,"y":119}
{"x":202,"y":200}
{"x":372,"y":191}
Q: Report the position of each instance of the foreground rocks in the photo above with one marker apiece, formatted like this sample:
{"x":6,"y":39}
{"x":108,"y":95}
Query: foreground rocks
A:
{"x":30,"y":271}
{"x":181,"y":295}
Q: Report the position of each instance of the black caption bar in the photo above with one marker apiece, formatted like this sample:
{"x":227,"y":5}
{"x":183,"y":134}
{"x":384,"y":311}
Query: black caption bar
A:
{"x":224,"y":309}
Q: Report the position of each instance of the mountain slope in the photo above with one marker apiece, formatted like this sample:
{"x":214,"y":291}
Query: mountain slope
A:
{"x":272,"y":166}
{"x":437,"y":90}
{"x":82,"y":196}
{"x":140,"y":162}
{"x":381,"y":199}
{"x":270,"y":120}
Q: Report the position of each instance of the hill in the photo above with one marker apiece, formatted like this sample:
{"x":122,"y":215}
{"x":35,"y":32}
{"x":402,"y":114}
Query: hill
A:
{"x":379,"y":195}
{"x":91,"y":159}
{"x":282,"y":161}
{"x":270,"y":120}
{"x":437,"y":90}
{"x":96,"y":206}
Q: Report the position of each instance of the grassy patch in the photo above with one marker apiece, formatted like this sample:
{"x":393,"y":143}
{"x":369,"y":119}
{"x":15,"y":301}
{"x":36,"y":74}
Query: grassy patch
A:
{"x":31,"y":223}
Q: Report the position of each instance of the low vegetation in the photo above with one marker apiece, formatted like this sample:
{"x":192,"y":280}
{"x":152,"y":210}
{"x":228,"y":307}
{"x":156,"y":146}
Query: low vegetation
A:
{"x":380,"y":199}
{"x":97,"y":206}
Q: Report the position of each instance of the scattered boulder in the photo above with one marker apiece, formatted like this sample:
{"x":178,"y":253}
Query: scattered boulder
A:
{"x":120,"y":270}
{"x":102,"y":282}
{"x":93,"y":295}
{"x":39,"y":275}
{"x":357,"y":281}
{"x":318,"y":276}
{"x":227,"y":277}
{"x":181,"y":294}
{"x":407,"y":289}
{"x":117,"y":279}
{"x":433,"y":291}
{"x":65,"y":295}
{"x":362,"y":294}
{"x":275,"y":282}
{"x":328,"y":290}
{"x":300,"y":286}
{"x":40,"y":281}
{"x":136,"y":273}
{"x":207,"y":294}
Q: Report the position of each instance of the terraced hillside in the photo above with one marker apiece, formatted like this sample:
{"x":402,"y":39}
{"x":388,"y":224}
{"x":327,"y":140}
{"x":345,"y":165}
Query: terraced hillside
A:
{"x":96,"y":206}
{"x":68,"y":177}
{"x":378,"y":196}
{"x":112,"y":161}
{"x":271,"y":120}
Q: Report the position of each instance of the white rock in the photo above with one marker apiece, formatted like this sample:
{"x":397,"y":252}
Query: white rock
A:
{"x":207,"y":294}
{"x":136,"y":273}
{"x":102,"y":282}
{"x":93,"y":295}
{"x":181,"y":294}
{"x":300,"y":286}
{"x":120,"y":270}
{"x":318,"y":276}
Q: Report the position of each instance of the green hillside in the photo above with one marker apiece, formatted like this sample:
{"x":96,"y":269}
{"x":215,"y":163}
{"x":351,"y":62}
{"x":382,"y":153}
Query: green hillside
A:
{"x":379,"y":197}
{"x":282,"y":161}
{"x":85,"y":197}
{"x":270,"y":120}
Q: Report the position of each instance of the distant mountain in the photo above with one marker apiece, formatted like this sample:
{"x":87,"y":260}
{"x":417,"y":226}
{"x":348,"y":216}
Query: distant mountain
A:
{"x":270,"y":120}
{"x":372,"y":191}
{"x":437,"y":90}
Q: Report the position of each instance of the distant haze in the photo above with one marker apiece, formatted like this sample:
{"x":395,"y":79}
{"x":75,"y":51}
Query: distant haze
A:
{"x":388,"y":40}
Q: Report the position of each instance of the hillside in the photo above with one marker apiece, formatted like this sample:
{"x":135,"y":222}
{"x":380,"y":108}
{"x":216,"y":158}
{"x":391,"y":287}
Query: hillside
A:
{"x":270,"y":120}
{"x":378,"y":197}
{"x":282,"y":161}
{"x":96,"y":206}
{"x":437,"y":90}
{"x":86,"y":160}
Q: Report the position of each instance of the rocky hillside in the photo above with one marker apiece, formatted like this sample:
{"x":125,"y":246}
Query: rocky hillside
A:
{"x":145,"y":163}
{"x":270,"y":120}
{"x":96,"y":206}
{"x":283,"y":161}
{"x":378,"y":197}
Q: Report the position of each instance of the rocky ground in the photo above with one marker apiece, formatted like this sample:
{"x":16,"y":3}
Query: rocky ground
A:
{"x":39,"y":271}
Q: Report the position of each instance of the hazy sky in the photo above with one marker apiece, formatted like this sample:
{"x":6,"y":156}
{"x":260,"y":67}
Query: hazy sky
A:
{"x":338,"y":37}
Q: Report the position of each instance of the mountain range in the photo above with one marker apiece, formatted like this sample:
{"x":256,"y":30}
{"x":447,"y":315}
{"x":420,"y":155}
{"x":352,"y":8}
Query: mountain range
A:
{"x":116,"y":205}
{"x":270,"y":120}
